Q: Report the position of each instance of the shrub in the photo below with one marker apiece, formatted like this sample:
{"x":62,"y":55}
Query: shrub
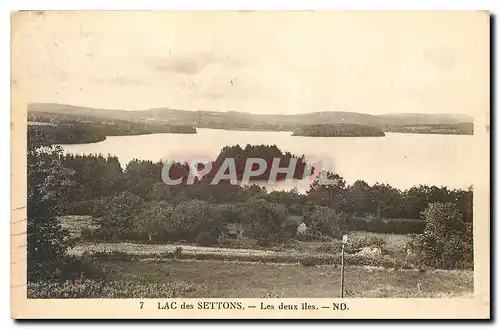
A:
{"x":307,"y":236}
{"x":263,"y":221}
{"x":326,"y":221}
{"x":376,"y":241}
{"x":288,"y":230}
{"x":87,"y":234}
{"x":333,"y":247}
{"x":312,"y":236}
{"x":443,"y":243}
{"x":206,"y":239}
{"x":177,"y":252}
{"x":75,"y":268}
{"x":356,"y":244}
{"x":396,"y":225}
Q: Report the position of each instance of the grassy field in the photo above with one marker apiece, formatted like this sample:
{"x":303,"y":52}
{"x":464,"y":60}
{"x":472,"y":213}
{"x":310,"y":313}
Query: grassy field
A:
{"x":257,"y":280}
{"x":294,"y":269}
{"x":305,"y":253}
{"x":310,"y":254}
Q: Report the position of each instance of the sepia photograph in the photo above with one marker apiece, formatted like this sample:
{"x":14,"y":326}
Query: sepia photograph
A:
{"x":223,"y":157}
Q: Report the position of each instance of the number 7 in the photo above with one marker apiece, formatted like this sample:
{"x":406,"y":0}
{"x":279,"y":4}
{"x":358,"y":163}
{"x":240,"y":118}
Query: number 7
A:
{"x":142,"y":304}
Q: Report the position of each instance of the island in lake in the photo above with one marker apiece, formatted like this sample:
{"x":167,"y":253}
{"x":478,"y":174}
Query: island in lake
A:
{"x":339,"y":130}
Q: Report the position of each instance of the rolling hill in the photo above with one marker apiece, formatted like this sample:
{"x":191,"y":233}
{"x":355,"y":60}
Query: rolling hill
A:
{"x":247,"y":121}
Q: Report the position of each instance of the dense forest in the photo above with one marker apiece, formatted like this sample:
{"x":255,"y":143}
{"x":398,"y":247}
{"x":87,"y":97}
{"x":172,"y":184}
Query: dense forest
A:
{"x":339,"y":130}
{"x":267,"y":153}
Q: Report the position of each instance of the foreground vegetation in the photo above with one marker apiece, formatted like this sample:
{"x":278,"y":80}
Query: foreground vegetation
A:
{"x":222,"y":279}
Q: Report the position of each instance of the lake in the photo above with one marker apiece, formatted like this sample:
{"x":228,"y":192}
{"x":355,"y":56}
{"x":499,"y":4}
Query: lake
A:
{"x":401,"y":160}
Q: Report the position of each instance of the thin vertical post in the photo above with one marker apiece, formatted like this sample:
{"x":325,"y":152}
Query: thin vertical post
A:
{"x":342,"y":272}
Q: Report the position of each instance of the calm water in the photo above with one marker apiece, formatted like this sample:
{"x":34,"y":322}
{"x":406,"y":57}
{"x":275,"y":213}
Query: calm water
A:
{"x":401,"y":160}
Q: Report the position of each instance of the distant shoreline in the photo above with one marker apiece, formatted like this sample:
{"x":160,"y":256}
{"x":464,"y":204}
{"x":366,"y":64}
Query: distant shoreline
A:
{"x":339,"y":130}
{"x":242,"y":121}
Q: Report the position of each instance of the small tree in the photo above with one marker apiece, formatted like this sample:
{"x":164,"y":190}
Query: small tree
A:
{"x":443,"y":241}
{"x":330,"y":195}
{"x":189,"y":219}
{"x":119,"y":214}
{"x":153,"y":221}
{"x":288,"y":229}
{"x":263,"y":221}
{"x":326,"y":221}
{"x":47,"y":178}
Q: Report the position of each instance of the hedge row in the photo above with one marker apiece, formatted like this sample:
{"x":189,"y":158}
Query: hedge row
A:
{"x":305,"y":260}
{"x":398,"y":226}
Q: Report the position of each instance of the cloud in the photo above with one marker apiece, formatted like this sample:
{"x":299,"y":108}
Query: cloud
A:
{"x":182,"y":66}
{"x":121,"y":81}
{"x":261,"y":63}
{"x":191,"y":63}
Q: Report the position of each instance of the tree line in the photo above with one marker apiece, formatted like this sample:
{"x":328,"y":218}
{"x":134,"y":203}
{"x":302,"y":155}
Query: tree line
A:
{"x":98,"y":176}
{"x":100,"y":183}
{"x":465,"y":128}
{"x":62,"y":130}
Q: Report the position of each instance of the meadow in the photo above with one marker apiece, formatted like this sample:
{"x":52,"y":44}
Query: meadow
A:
{"x":294,"y":269}
{"x":218,"y":279}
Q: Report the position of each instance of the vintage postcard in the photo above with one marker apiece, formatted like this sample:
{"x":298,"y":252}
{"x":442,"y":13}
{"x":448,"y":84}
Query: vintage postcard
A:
{"x":302,"y":165}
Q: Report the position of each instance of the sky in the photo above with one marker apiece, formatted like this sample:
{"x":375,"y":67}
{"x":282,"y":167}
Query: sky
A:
{"x":255,"y":62}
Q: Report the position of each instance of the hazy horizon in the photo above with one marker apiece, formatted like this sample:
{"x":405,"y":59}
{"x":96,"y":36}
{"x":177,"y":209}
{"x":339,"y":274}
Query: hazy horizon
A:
{"x":229,"y":111}
{"x":256,"y":62}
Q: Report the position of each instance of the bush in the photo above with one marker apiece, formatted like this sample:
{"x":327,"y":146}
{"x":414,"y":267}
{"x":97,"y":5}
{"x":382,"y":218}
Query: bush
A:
{"x":326,"y":221}
{"x":76,"y":268}
{"x":263,"y":221}
{"x":87,"y":234}
{"x":398,"y":226}
{"x":177,"y":252}
{"x":376,"y":241}
{"x":288,"y":230}
{"x":206,"y":239}
{"x":333,"y":247}
{"x":443,"y":243}
{"x":312,"y":236}
{"x":356,"y":244}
